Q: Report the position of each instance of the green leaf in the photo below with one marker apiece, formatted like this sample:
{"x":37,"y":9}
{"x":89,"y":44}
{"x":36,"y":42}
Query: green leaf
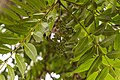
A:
{"x":99,"y":30}
{"x":31,"y":51}
{"x":11,"y":14}
{"x":105,"y":60}
{"x":81,"y":44}
{"x":50,"y":2}
{"x":6,"y":38}
{"x":81,"y":53}
{"x":95,"y":65}
{"x":82,"y":2}
{"x":1,"y":62}
{"x":89,"y":20}
{"x":117,"y":71}
{"x":91,"y":28}
{"x":114,"y":54}
{"x":18,"y":10}
{"x":23,"y":5}
{"x":85,"y":66}
{"x":38,"y":36}
{"x":75,"y":36}
{"x":107,"y":41}
{"x":4,"y":49}
{"x":102,"y":74}
{"x":43,"y":3}
{"x":117,"y":42}
{"x":7,"y":22}
{"x":109,"y":32}
{"x":112,"y":72}
{"x":102,"y":49}
{"x":10,"y":73}
{"x":109,"y":77}
{"x":2,"y":77}
{"x":94,"y":5}
{"x":20,"y":64}
{"x":116,"y":63}
{"x":116,"y":19}
{"x":19,"y":29}
{"x":51,"y":24}
{"x":92,"y":76}
{"x":72,"y":1}
{"x":113,"y":7}
{"x":34,"y":3}
{"x":104,"y":17}
{"x":89,"y":54}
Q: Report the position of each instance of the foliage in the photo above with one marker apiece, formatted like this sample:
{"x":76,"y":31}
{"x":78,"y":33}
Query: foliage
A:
{"x":77,"y":39}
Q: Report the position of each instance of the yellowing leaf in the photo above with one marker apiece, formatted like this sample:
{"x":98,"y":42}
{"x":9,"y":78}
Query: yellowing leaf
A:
{"x":31,"y":51}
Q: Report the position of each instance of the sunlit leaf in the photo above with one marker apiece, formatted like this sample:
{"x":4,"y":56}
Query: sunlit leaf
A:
{"x":92,"y":76}
{"x":2,"y":77}
{"x":109,"y":77}
{"x":85,"y":66}
{"x":102,"y":50}
{"x":94,"y":65}
{"x":31,"y":51}
{"x":38,"y":36}
{"x":51,"y":2}
{"x":102,"y":74}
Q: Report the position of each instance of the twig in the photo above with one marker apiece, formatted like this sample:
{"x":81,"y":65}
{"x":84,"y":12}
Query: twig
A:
{"x":75,"y":19}
{"x":29,"y":34}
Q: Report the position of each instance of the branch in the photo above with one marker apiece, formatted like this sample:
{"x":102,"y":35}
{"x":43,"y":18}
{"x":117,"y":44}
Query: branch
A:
{"x":29,"y":34}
